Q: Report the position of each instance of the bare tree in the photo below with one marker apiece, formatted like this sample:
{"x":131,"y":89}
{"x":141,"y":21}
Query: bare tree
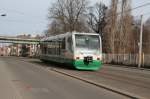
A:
{"x":146,"y":37}
{"x":97,"y":19}
{"x":112,"y":26}
{"x":69,"y":14}
{"x":136,"y":35}
{"x":97,"y":16}
{"x":125,"y":28}
{"x":54,"y":28}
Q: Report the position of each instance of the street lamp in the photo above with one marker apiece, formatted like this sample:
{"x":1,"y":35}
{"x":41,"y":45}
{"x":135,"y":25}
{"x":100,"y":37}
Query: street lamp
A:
{"x":3,"y":15}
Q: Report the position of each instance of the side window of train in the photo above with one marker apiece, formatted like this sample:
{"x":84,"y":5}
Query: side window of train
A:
{"x":49,"y":47}
{"x":69,"y":41}
{"x":63,"y":44}
{"x":45,"y":49}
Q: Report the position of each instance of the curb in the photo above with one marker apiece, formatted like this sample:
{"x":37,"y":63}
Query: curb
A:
{"x":129,"y":67}
{"x":118,"y":91}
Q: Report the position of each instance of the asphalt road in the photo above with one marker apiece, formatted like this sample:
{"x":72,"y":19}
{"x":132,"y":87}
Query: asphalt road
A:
{"x":24,"y":80}
{"x":132,"y":81}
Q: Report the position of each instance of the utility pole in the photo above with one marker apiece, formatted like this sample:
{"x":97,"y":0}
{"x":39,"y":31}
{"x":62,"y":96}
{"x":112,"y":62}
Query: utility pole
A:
{"x":140,"y":44}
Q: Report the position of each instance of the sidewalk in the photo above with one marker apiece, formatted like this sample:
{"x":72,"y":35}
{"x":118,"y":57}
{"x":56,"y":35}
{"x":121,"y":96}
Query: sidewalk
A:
{"x":7,"y":89}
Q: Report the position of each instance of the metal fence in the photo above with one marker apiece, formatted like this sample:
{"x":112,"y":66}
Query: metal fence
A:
{"x":126,"y":59}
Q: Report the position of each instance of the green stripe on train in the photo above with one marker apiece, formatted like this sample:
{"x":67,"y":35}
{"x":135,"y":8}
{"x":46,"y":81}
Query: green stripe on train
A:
{"x":94,"y":65}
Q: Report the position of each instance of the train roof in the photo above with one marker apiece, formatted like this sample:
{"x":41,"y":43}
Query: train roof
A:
{"x":60,"y":36}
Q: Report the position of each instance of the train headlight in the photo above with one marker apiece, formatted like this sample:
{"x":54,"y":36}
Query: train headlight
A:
{"x":98,"y":58}
{"x":77,"y":57}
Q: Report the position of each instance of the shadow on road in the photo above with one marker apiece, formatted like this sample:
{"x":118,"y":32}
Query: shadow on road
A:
{"x":52,"y":64}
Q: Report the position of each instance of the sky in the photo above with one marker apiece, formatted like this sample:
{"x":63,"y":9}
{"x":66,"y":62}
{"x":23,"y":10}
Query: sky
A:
{"x":30,"y":16}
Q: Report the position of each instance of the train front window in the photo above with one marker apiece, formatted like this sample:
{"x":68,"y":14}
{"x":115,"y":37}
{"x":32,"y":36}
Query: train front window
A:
{"x":87,"y":43}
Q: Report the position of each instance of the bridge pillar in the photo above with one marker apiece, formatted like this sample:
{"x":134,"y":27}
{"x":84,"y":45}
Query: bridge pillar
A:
{"x":18,"y":52}
{"x":32,"y":51}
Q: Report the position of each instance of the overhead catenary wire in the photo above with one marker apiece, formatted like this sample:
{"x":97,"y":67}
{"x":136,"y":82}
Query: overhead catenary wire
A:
{"x":35,"y":18}
{"x":22,"y":21}
{"x":144,"y":14}
{"x":137,"y":7}
{"x":21,"y":13}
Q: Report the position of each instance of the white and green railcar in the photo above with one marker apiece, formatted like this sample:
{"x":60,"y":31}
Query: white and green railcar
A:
{"x":81,"y":50}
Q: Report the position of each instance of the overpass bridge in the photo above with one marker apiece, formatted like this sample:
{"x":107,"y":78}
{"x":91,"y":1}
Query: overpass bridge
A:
{"x":17,"y":40}
{"x":18,"y":46}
